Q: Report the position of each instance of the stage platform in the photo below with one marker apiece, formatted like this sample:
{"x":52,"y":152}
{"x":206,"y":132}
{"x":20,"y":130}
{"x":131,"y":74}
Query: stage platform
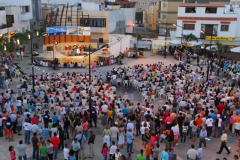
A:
{"x":48,"y":56}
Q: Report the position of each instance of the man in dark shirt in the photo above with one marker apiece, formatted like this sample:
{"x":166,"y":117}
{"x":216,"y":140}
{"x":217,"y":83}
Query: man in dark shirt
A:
{"x":9,"y":127}
{"x":148,"y":116}
{"x":94,"y":116}
{"x":46,"y":119}
{"x":35,"y":146}
{"x":180,"y":120}
{"x":91,"y":143}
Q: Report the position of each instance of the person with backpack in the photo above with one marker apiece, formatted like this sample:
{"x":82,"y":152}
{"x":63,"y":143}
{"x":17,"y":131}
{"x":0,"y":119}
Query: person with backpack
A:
{"x":81,"y":139}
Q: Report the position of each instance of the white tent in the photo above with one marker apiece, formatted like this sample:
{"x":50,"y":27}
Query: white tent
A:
{"x":236,"y":50}
{"x":175,"y":42}
{"x":195,"y":43}
{"x":159,"y":42}
{"x":213,"y":48}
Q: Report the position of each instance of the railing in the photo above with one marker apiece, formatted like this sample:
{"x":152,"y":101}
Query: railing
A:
{"x":3,"y":26}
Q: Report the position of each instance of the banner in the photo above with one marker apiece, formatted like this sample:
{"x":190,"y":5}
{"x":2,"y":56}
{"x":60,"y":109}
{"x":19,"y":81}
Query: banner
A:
{"x":68,"y":30}
{"x":141,"y":44}
{"x":220,"y":38}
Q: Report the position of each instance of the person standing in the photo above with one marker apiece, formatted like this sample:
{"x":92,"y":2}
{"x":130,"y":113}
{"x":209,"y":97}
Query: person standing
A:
{"x":21,"y":150}
{"x":130,"y":139}
{"x":50,"y":150}
{"x":148,"y":150}
{"x":203,"y":135}
{"x":91,"y":143}
{"x":35,"y":146}
{"x":104,"y":151}
{"x":81,"y":139}
{"x":112,"y":149}
{"x":156,"y":152}
{"x":141,"y":156}
{"x":209,"y":123}
{"x":66,"y":152}
{"x":9,"y":129}
{"x":224,"y":143}
{"x":12,"y":153}
{"x":85,"y":126}
{"x":192,"y":154}
{"x":76,"y":147}
{"x":43,"y":151}
{"x":200,"y":151}
{"x":55,"y":142}
{"x":27,"y":128}
{"x":61,"y":137}
{"x":165,"y":154}
{"x":114,"y":132}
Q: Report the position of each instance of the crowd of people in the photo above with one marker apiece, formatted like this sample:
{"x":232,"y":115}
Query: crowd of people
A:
{"x":55,"y":111}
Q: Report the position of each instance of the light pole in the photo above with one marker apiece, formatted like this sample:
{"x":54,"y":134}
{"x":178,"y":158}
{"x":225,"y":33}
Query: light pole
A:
{"x":203,"y":32}
{"x":31,"y":37}
{"x":165,"y":47}
{"x":175,"y":25}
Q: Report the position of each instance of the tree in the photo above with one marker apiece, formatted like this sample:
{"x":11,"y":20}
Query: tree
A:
{"x":22,"y":37}
{"x":139,"y":17}
{"x":139,"y":37}
{"x":190,"y":37}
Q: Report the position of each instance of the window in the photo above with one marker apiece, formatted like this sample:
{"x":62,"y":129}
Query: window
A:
{"x":224,"y":27}
{"x":164,"y":5}
{"x":189,"y":26}
{"x":211,"y":10}
{"x":2,"y":8}
{"x":190,"y":10}
{"x":24,"y":9}
{"x":159,"y":15}
{"x":10,"y":18}
{"x":69,"y":19}
{"x":94,"y":22}
{"x":164,"y":16}
{"x":139,"y":9}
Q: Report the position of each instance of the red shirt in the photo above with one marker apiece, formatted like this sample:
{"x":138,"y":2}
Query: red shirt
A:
{"x":169,"y":120}
{"x":34,"y":119}
{"x":55,"y":141}
{"x":220,"y":107}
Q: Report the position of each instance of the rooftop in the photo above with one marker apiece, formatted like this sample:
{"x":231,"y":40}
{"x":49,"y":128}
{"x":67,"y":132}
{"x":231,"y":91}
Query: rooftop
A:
{"x":201,"y":5}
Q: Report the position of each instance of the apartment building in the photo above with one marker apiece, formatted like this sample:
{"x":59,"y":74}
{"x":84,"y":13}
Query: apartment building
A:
{"x":103,"y":19}
{"x":143,"y":5}
{"x":150,"y":17}
{"x":36,"y":14}
{"x":206,"y":20}
{"x":168,"y":10}
{"x":15,"y":16}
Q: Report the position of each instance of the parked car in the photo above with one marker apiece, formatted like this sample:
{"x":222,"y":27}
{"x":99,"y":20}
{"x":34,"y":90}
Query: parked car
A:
{"x":140,"y":25}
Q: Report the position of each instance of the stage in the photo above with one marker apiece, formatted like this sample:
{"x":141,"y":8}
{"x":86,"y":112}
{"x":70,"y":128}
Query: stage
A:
{"x":48,"y":56}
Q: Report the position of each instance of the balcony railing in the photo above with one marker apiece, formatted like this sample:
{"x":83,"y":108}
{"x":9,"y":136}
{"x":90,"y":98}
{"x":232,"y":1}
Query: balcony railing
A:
{"x":9,"y":25}
{"x":3,"y":26}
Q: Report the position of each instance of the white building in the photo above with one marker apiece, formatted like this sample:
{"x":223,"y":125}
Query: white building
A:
{"x":16,"y":15}
{"x":213,"y":19}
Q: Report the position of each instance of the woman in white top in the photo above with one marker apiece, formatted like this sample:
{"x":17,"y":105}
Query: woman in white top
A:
{"x":19,"y":106}
{"x":116,"y":155}
{"x":175,"y":130}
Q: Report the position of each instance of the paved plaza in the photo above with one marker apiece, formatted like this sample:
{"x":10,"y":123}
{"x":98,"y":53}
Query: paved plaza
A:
{"x":209,"y":153}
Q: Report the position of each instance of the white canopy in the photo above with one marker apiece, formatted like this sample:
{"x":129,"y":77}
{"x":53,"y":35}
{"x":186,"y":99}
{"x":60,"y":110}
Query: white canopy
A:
{"x":236,"y":50}
{"x":159,"y":42}
{"x":213,"y":48}
{"x":195,"y":43}
{"x":175,"y":42}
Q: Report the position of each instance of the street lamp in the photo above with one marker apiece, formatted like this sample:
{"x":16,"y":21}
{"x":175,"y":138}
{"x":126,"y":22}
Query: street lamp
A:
{"x":31,"y":37}
{"x":211,"y":34}
{"x":175,"y":25}
{"x":133,"y":27}
{"x":165,"y":47}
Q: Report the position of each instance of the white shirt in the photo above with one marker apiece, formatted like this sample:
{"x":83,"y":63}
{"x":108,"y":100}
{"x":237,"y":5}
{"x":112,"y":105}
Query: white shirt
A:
{"x":130,"y":126}
{"x":18,"y":103}
{"x":114,"y":77}
{"x":27,"y":126}
{"x":34,"y":128}
{"x":112,"y":149}
{"x":104,"y":108}
{"x":175,"y":129}
{"x":237,"y":126}
{"x":65,"y":153}
{"x":209,"y":122}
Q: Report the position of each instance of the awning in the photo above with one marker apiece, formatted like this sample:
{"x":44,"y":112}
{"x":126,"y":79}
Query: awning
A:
{"x":235,"y":50}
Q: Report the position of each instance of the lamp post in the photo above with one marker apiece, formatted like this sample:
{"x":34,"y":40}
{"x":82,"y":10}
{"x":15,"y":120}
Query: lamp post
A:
{"x":90,"y":85}
{"x":165,"y":47}
{"x":31,"y":37}
{"x":175,"y":25}
{"x":133,"y":28}
{"x":203,"y":32}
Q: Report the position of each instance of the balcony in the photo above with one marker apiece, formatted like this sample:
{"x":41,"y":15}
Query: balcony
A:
{"x":24,"y":16}
{"x":3,"y":29}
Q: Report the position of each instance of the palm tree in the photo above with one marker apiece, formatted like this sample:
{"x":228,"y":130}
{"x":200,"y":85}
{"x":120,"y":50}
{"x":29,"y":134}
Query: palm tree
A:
{"x":190,"y":37}
{"x":139,"y":37}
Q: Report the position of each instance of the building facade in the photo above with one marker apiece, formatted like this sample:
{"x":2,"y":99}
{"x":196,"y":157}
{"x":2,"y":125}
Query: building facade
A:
{"x":150,"y":18}
{"x":103,"y":19}
{"x":206,"y":20}
{"x":36,"y":14}
{"x":143,"y":5}
{"x":168,"y":10}
{"x":15,"y":16}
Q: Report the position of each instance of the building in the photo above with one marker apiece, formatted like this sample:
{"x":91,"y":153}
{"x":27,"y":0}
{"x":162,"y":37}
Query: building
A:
{"x":143,"y":5}
{"x":36,"y":14}
{"x":168,"y":10}
{"x":15,"y":16}
{"x":150,"y":18}
{"x":61,"y":2}
{"x":204,"y":20}
{"x":103,"y":18}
